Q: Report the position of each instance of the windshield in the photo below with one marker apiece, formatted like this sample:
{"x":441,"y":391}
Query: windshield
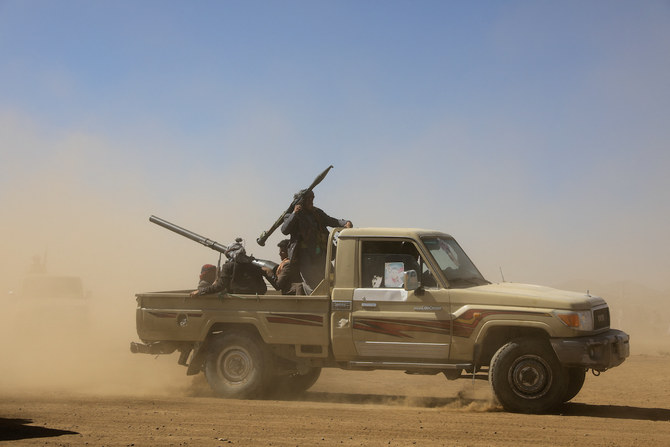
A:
{"x":454,"y":263}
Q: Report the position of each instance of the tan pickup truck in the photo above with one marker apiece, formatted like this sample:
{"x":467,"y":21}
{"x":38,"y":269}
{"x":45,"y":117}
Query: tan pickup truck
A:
{"x":392,"y":298}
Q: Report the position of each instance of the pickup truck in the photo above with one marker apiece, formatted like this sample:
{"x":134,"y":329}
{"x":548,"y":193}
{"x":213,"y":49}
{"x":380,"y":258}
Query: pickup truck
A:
{"x":392,"y":298}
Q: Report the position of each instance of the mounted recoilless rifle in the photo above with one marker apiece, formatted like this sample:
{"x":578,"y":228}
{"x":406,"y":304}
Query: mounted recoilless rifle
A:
{"x":298,"y":197}
{"x":207,"y":242}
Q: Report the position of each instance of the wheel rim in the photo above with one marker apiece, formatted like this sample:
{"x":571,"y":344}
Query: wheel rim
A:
{"x":235,"y":365}
{"x":530,"y":377}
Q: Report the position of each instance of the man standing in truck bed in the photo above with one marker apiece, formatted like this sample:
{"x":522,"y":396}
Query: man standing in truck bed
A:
{"x":307,"y":226}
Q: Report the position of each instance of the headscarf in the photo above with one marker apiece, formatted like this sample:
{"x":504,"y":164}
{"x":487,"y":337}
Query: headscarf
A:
{"x":206,"y":270}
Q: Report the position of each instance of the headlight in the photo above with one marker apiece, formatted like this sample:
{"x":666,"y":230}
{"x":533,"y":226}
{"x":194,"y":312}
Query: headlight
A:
{"x":582,"y":320}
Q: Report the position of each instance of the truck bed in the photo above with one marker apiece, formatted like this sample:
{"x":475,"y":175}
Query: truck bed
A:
{"x":279,"y":319}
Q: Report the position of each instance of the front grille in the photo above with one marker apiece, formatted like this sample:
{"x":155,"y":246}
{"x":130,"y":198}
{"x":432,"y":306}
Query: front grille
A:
{"x":601,"y":318}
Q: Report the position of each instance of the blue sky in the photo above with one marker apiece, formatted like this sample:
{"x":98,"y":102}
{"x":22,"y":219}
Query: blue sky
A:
{"x":533,"y":131}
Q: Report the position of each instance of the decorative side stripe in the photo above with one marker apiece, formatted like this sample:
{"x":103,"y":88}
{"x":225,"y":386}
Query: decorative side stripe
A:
{"x":159,"y":314}
{"x":398,"y":328}
{"x":463,"y":326}
{"x":299,"y":319}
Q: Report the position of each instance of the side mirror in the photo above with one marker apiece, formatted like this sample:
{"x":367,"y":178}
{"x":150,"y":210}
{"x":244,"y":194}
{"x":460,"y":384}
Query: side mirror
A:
{"x":410,"y":280}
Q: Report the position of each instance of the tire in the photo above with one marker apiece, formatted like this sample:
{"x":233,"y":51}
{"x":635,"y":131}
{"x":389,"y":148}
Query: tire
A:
{"x":576,"y":378}
{"x":526,"y":377}
{"x":238,"y":366}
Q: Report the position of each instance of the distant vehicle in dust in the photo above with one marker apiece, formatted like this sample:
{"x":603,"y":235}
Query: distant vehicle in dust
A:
{"x":51,"y":303}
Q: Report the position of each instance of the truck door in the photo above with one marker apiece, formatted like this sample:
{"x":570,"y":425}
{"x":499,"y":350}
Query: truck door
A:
{"x":389,"y":322}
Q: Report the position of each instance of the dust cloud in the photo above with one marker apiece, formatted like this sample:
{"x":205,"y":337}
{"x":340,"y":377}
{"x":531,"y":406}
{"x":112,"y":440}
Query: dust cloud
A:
{"x":117,"y":253}
{"x":103,"y":236}
{"x":72,"y":205}
{"x":105,"y":239}
{"x":79,"y":345}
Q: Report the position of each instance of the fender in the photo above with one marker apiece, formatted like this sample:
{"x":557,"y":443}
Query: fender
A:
{"x":495,"y":333}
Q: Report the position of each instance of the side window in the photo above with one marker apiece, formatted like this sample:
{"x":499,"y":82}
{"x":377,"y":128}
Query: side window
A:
{"x":427,"y":278}
{"x":384,"y":262}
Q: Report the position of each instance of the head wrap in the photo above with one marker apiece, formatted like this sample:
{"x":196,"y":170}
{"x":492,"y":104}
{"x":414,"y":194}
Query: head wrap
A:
{"x":305,"y":194}
{"x":207,"y":268}
{"x":236,"y":252}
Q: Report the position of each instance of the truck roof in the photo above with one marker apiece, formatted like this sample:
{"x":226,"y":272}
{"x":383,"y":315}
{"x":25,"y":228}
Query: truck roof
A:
{"x":414,"y":233}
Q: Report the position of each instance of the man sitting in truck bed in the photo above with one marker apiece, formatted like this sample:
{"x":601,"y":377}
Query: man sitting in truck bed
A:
{"x":238,"y":275}
{"x":285,"y":276}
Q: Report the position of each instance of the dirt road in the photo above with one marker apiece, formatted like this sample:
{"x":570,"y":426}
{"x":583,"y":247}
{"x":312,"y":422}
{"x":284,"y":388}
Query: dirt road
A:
{"x":627,"y":406}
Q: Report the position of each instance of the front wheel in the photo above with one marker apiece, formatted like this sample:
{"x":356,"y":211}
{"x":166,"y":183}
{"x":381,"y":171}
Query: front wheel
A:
{"x":576,"y":378}
{"x":526,"y":377}
{"x":237,"y":365}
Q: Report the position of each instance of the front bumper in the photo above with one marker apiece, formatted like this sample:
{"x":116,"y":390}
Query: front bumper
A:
{"x":599,"y":352}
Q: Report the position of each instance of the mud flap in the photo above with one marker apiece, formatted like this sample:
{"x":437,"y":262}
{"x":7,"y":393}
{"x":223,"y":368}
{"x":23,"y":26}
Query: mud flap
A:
{"x":197,"y":359}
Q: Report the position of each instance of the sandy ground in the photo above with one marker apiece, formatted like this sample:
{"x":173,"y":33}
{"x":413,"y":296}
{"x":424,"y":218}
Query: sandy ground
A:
{"x":626,"y":406}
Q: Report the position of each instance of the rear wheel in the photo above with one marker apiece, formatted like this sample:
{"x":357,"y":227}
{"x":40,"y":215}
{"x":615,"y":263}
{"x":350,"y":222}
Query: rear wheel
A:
{"x":526,"y":377}
{"x":238,"y":365}
{"x":576,"y":378}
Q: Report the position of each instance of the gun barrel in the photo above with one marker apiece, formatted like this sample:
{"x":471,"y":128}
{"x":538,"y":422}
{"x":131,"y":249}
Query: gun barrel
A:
{"x":189,"y":234}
